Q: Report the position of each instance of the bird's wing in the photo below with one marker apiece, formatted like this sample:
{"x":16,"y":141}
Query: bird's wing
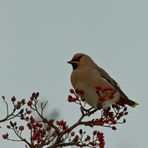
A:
{"x":107,"y":77}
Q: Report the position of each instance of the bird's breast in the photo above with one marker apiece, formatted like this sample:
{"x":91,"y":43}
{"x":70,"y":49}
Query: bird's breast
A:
{"x":86,"y":80}
{"x":81,"y":77}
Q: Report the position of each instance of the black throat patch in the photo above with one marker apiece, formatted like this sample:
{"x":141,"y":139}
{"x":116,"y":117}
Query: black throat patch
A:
{"x":74,"y":65}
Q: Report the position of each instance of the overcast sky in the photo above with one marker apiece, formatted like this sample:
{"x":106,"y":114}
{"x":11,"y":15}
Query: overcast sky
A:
{"x":38,"y":37}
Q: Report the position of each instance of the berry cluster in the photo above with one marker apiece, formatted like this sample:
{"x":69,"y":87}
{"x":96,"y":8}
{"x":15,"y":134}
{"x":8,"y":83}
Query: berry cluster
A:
{"x":57,"y":133}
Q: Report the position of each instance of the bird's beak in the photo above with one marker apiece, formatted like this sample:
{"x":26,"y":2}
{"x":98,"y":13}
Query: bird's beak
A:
{"x":70,"y":62}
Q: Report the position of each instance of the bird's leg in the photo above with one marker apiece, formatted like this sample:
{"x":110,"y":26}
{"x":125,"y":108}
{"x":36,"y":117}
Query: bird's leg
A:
{"x":86,"y":111}
{"x":99,"y":106}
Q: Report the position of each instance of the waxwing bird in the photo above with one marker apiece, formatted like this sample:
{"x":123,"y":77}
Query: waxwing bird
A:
{"x":87,"y":76}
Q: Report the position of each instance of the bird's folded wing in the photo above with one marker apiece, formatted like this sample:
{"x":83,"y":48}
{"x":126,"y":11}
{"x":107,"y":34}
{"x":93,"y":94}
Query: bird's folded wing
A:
{"x":107,"y":77}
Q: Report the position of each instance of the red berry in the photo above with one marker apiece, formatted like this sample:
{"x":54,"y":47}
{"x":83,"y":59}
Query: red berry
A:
{"x":28,"y":111}
{"x":5,"y":136}
{"x":94,"y":133}
{"x":13,"y":99}
{"x":72,"y":91}
{"x":23,"y":101}
{"x":114,"y":128}
{"x":72,"y":133}
{"x":93,"y":143}
{"x":76,"y":139}
{"x":21,"y":128}
{"x":48,"y":128}
{"x":29,"y":103}
{"x":18,"y":105}
{"x":70,"y":99}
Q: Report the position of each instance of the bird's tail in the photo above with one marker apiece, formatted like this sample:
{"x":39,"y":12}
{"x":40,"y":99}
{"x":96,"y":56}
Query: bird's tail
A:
{"x":132,"y":103}
{"x":125,"y":100}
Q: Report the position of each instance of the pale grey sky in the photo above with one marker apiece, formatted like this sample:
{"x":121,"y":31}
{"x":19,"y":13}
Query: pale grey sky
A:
{"x":37,"y":38}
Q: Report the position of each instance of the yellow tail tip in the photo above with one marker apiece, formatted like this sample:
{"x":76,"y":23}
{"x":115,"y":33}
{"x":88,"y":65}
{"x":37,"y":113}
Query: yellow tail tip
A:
{"x":134,"y":104}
